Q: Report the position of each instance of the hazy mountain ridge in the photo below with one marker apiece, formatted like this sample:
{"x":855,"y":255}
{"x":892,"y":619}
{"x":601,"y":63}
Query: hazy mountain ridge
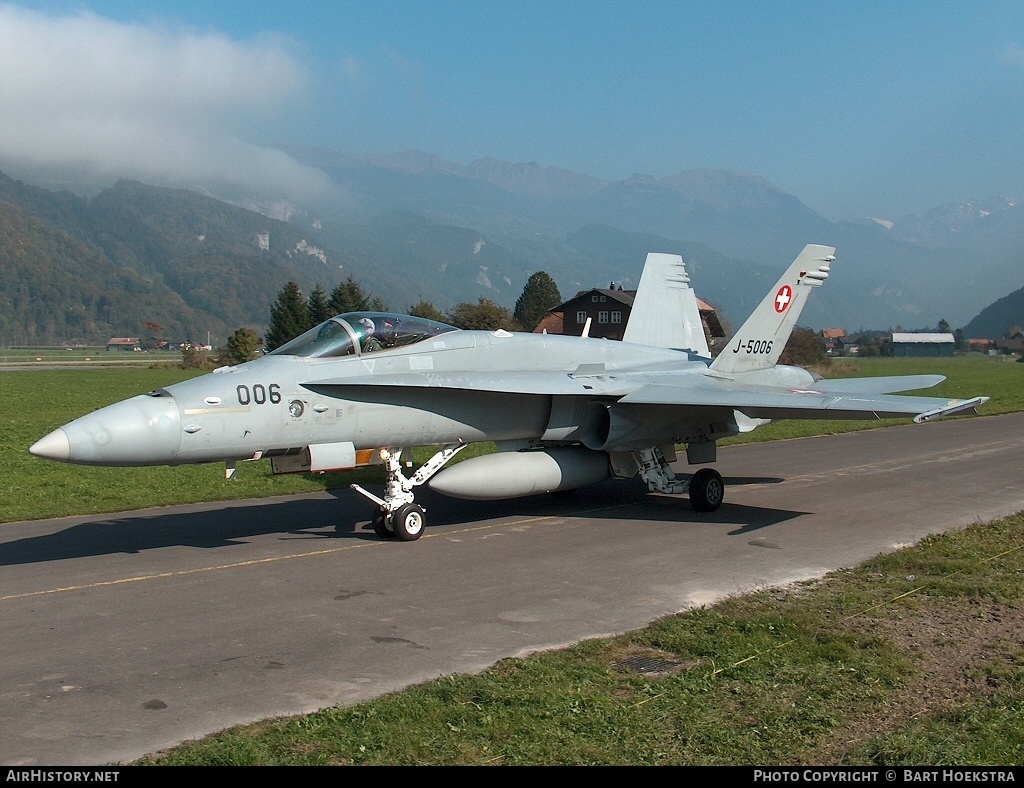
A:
{"x":881,"y":278}
{"x":411,"y":226}
{"x":213,"y":265}
{"x":947,"y":224}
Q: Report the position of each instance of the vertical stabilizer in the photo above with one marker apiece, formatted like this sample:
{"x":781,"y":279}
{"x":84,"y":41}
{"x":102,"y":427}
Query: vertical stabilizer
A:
{"x":761,"y":340}
{"x":665,"y":311}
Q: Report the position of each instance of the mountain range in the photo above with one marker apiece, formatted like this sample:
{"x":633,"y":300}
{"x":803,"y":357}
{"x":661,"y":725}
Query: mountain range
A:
{"x":212,"y":258}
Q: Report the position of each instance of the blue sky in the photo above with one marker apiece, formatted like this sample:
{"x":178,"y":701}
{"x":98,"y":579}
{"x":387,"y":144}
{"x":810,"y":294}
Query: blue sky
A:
{"x":857,"y":108}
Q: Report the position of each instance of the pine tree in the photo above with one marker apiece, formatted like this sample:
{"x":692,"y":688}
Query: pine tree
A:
{"x":539,"y":295}
{"x":348,"y":296}
{"x":319,"y":308}
{"x":289,"y":316}
{"x":242,"y":346}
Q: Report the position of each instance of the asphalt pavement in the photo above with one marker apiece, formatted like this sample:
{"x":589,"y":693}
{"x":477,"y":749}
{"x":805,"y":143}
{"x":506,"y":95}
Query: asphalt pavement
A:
{"x":125,"y":634}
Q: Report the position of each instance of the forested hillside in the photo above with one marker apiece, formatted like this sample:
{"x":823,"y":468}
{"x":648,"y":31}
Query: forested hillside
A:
{"x":54,"y":288}
{"x":86,"y":270}
{"x":996,"y":320}
{"x":222,"y":260}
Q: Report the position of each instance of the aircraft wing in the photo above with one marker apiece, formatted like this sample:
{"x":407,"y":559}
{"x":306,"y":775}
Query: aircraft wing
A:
{"x":820,"y":402}
{"x":881,"y":385}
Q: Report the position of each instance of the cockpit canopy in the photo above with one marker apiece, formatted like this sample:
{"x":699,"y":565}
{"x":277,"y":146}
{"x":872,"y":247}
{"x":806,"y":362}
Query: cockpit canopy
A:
{"x":357,"y":333}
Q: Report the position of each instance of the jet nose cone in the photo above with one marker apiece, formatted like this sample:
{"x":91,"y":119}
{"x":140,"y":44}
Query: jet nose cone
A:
{"x":54,"y":446}
{"x":143,"y":430}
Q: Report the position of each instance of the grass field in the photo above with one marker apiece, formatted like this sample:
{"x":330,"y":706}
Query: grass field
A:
{"x":84,"y":356}
{"x":34,"y":402}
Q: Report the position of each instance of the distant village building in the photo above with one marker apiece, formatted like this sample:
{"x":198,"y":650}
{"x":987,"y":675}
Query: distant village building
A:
{"x":904,"y":345}
{"x":123,"y":343}
{"x":1008,"y":347}
{"x":834,"y":340}
{"x":608,"y":311}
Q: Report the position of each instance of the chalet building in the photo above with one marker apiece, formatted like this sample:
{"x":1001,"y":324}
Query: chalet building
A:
{"x":833,"y":340}
{"x":608,"y":311}
{"x":904,"y":345}
{"x":1008,"y":347}
{"x":123,"y":343}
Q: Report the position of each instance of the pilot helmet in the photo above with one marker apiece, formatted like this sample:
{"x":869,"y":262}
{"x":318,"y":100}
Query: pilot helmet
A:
{"x":367,"y":324}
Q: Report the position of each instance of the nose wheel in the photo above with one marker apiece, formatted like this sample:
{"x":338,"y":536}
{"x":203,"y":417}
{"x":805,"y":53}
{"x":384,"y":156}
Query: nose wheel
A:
{"x":408,"y":522}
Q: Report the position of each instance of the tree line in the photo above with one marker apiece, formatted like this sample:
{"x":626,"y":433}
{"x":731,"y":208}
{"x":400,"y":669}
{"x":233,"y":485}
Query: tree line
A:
{"x":293,"y":314}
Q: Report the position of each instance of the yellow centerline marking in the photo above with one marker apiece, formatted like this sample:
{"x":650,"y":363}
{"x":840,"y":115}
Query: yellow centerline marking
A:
{"x":181,"y":572}
{"x":940,"y":455}
{"x":292,"y":556}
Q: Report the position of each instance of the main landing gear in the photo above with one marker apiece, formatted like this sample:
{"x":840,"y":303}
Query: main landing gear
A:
{"x":399,"y":517}
{"x":706,"y":488}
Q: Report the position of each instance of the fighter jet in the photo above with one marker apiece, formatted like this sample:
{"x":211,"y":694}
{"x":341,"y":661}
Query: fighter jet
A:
{"x":563,"y":411}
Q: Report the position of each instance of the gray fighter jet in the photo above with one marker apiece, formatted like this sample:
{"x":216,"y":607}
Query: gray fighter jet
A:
{"x":564,"y":411}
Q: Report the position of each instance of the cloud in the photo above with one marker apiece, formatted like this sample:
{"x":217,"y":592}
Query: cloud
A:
{"x":144,"y":100}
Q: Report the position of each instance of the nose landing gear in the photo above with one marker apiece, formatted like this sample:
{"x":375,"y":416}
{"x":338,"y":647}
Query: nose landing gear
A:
{"x":399,"y":517}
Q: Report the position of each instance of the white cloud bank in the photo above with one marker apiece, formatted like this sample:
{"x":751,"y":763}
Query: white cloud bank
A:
{"x":84,"y":92}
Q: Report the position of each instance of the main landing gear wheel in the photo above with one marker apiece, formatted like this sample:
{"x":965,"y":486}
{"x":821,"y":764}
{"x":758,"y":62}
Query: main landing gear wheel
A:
{"x":382,"y":525}
{"x":409,"y":522}
{"x":707,"y":490}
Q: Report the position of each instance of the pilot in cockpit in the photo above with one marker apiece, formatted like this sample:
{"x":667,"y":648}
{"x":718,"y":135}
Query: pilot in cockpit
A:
{"x":370,"y":342}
